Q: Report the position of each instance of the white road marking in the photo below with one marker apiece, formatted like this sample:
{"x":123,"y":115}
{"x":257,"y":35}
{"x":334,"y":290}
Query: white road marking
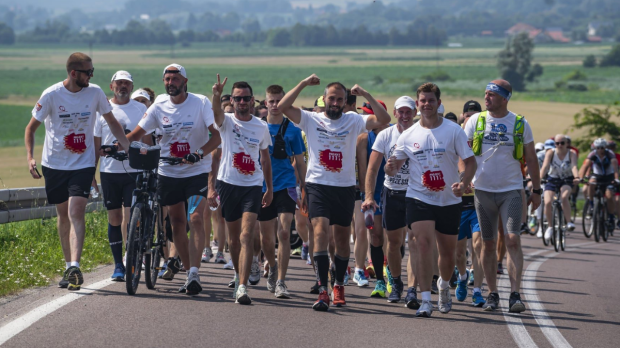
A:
{"x":20,"y":324}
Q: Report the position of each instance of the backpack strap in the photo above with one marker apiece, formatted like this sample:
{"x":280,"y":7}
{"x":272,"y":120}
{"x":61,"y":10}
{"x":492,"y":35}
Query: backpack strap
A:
{"x":517,"y":152}
{"x":481,"y":123}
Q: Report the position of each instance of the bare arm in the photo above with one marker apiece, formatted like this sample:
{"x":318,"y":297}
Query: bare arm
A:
{"x":213,"y":142}
{"x":286,"y":104}
{"x":532,"y":164}
{"x":573,"y":167}
{"x":136,"y":135}
{"x":31,"y":128}
{"x":265,"y":162}
{"x":117,"y":130}
{"x":218,"y":113}
{"x":544,"y":170}
{"x":371,"y":179}
{"x":470,"y":165}
{"x":381,"y":116}
{"x":393,"y":165}
{"x":614,"y":165}
{"x":300,"y":169}
{"x":584,"y":168}
{"x":215,"y":167}
{"x":361,"y":153}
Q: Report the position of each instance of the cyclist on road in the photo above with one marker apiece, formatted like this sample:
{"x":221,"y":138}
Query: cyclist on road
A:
{"x":69,"y":109}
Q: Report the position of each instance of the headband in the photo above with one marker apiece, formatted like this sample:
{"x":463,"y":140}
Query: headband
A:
{"x":503,"y":92}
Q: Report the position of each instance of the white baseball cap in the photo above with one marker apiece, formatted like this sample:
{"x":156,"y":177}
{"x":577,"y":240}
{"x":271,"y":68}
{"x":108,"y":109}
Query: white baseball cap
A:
{"x":440,"y":109}
{"x":140,"y":93}
{"x":178,"y":67}
{"x":122,"y":75}
{"x":405,"y":101}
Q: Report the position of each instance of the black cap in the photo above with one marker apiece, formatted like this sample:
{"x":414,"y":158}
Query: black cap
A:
{"x":472,"y":105}
{"x":225,"y":97}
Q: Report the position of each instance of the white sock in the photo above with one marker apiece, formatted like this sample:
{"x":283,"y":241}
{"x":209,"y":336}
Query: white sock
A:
{"x":442,"y":284}
{"x":67,"y":265}
{"x":463,"y":276}
{"x":477,"y":290}
{"x":193,"y":270}
{"x":236,"y":275}
{"x":255,"y":258}
{"x":426,"y":296}
{"x":75,"y":263}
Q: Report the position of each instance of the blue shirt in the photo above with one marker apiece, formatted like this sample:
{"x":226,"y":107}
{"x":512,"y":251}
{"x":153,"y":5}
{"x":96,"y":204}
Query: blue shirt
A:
{"x":281,"y":169}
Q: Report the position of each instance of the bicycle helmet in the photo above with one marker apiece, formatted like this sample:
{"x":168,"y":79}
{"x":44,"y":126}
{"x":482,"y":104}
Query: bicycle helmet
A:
{"x":611,"y":144}
{"x":539,"y":147}
{"x":600,"y":142}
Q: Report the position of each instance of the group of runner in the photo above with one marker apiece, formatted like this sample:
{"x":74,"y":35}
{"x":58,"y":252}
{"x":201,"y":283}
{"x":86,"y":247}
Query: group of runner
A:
{"x":329,"y":168}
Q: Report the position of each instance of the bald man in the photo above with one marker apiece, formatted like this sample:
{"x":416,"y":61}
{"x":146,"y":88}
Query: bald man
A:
{"x":500,"y":140}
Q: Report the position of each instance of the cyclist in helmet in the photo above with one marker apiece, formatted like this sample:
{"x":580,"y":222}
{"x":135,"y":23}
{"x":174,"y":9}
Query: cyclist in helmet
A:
{"x":611,"y":146}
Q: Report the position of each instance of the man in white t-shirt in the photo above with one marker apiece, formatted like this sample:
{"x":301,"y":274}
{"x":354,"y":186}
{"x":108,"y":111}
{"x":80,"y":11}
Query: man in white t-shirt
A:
{"x":69,"y":109}
{"x":244,"y":165}
{"x":186,"y":119}
{"x":499,"y":185}
{"x":433,"y":147}
{"x":393,"y":206}
{"x":118,"y":179}
{"x":330,"y":177}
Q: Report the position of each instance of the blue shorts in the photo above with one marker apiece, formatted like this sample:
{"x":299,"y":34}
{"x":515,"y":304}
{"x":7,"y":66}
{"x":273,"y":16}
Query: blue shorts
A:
{"x":379,"y":210}
{"x":469,"y":224}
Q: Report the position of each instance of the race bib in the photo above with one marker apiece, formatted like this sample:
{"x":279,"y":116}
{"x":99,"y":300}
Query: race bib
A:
{"x":75,"y":143}
{"x":179,"y":149}
{"x":244,"y":163}
{"x":433,"y":180}
{"x":331,"y":160}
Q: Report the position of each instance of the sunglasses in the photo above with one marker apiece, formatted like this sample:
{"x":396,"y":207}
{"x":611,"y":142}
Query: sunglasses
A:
{"x":88,"y":72}
{"x":245,"y":98}
{"x":601,"y":147}
{"x":560,"y":143}
{"x":367,"y":105}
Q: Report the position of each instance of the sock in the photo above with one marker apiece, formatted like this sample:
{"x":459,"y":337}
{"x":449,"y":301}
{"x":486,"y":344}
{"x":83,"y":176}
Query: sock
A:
{"x":115,"y":237}
{"x":75,"y":263}
{"x":463,"y":276}
{"x":67,"y":265}
{"x":193,"y":270}
{"x":341,"y":268}
{"x":442,"y":284}
{"x":376,"y":255}
{"x":477,"y":290}
{"x":426,"y":296}
{"x":402,"y":251}
{"x":255,"y":258}
{"x":321,"y":260}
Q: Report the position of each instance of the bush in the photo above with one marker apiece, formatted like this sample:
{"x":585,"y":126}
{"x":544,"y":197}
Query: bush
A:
{"x":578,"y":87}
{"x":589,"y":61}
{"x":560,"y":84}
{"x":575,"y":75}
{"x":437,"y":75}
{"x":612,"y":58}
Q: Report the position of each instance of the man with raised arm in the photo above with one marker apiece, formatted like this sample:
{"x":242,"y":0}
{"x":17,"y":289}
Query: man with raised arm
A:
{"x":330,"y":178}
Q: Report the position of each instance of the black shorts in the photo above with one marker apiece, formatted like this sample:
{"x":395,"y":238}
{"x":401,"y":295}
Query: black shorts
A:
{"x":62,"y":184}
{"x":284,"y":201}
{"x":236,"y":200}
{"x":332,"y":202}
{"x":447,"y":219}
{"x":394,"y":209}
{"x":118,"y":189}
{"x":171,"y":191}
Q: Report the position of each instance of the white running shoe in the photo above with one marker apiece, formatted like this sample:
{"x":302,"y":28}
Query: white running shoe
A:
{"x":229,"y":265}
{"x":207,"y":255}
{"x":548,"y":233}
{"x":219,"y":258}
{"x":254,"y":273}
{"x":570,"y":226}
{"x":242,"y":296}
{"x":539,"y":234}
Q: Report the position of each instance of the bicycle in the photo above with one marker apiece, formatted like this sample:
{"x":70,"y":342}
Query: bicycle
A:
{"x":558,"y":221}
{"x":600,"y":224}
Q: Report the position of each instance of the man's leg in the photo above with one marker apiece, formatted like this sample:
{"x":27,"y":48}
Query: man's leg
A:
{"x":77,"y":211}
{"x":361,"y":238}
{"x":284,"y":243}
{"x":565,"y":193}
{"x":423,"y":232}
{"x":515,"y":261}
{"x":412,"y":264}
{"x":125,"y":222}
{"x":268,"y":240}
{"x":488,"y":213}
{"x":248,"y":226}
{"x":342,"y":251}
{"x":64,"y":230}
{"x":115,"y":237}
{"x":461,"y":256}
{"x":501,"y":247}
{"x":321,"y":258}
{"x":394,"y":257}
{"x":446,"y":246}
{"x":511,"y":216}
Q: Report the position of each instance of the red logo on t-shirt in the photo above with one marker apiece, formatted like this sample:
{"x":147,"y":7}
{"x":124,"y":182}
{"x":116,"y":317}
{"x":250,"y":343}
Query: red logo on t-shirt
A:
{"x":61,"y":108}
{"x":433,"y":180}
{"x":244,"y":163}
{"x":166,"y":119}
{"x":416,"y":145}
{"x":179,"y":149}
{"x":75,"y":143}
{"x":331,"y":160}
{"x":38,"y":107}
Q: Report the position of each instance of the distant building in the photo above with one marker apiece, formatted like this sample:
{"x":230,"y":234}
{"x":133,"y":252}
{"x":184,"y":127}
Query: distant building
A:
{"x":595,"y":26}
{"x":549,"y":35}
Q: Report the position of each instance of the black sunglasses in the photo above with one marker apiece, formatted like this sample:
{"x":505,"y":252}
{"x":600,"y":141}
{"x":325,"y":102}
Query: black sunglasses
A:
{"x":560,"y":143}
{"x":245,"y":98}
{"x":88,"y":72}
{"x":367,"y":105}
{"x":601,"y":147}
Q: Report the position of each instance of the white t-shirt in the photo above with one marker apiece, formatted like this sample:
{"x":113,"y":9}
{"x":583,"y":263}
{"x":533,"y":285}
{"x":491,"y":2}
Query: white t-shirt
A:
{"x":128,"y":115}
{"x":331,"y":147}
{"x":69,"y":121}
{"x":241,"y":145}
{"x":501,"y":172}
{"x":386,"y":144}
{"x":433,"y":165}
{"x":185,"y":130}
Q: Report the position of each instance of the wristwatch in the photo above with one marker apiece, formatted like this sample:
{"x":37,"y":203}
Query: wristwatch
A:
{"x":537,"y":191}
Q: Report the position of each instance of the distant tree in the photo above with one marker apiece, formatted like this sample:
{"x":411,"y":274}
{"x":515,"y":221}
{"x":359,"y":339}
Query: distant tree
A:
{"x":191,"y":22}
{"x":515,"y":61}
{"x":589,"y":61}
{"x":596,"y":123}
{"x":160,"y":32}
{"x":612,"y":58}
{"x":279,"y":38}
{"x":7,"y":35}
{"x":250,"y":26}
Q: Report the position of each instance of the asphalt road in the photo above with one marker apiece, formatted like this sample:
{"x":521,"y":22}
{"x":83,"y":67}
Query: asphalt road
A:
{"x":571,"y":299}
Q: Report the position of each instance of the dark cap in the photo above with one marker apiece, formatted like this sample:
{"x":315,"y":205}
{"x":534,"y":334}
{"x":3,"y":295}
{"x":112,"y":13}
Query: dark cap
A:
{"x":225,"y":97}
{"x":472,"y":105}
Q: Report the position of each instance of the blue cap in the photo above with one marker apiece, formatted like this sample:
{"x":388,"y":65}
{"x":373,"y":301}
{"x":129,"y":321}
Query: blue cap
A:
{"x":549,"y":144}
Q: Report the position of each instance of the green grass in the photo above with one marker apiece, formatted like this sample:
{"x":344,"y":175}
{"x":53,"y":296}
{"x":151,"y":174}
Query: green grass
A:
{"x":13,"y":121}
{"x":31,"y":255}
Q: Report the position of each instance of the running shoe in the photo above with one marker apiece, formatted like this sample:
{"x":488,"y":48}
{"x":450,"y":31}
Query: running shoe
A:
{"x":183,"y":288}
{"x":380,"y":289}
{"x":309,"y":260}
{"x":539,"y":234}
{"x":515,"y":304}
{"x":162,"y":271}
{"x":75,"y":278}
{"x":242,"y":296}
{"x":471,"y":277}
{"x":347,"y":276}
{"x":548,"y":233}
{"x":231,"y":284}
{"x":388,"y":275}
{"x":304,"y":251}
{"x":360,"y":278}
{"x":338,"y":296}
{"x":236,"y":286}
{"x":397,"y":292}
{"x":477,"y":300}
{"x":119,"y":273}
{"x":219,"y":258}
{"x":315,"y":288}
{"x":322,"y":304}
{"x":171,"y":269}
{"x":271,"y":278}
{"x":192,"y":285}
{"x":524,"y":228}
{"x":454,"y":278}
{"x":282,"y":290}
{"x":500,"y":268}
{"x":296,"y":252}
{"x":254,"y":273}
{"x":207,"y":255}
{"x":371,"y":271}
{"x":444,"y":303}
{"x":64,"y":282}
{"x":492,"y":302}
{"x":214,"y":245}
{"x":434,"y":288}
{"x":425,"y":310}
{"x":266,"y":269}
{"x":411,"y":300}
{"x":461,"y":289}
{"x":229,"y":265}
{"x":570,"y":226}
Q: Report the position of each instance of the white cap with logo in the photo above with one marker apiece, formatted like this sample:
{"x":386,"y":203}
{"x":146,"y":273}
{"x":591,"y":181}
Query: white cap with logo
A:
{"x":440,"y":109}
{"x":140,"y":93}
{"x":178,"y":67}
{"x":405,"y":101}
{"x":122,"y":75}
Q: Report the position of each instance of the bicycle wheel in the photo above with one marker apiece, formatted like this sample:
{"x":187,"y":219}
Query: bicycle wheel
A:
{"x":153,"y":259}
{"x":586,"y":222}
{"x":596,"y":217}
{"x":545,"y":224}
{"x":563,"y":238}
{"x":573,"y":210}
{"x":134,"y":250}
{"x":605,"y":231}
{"x":557,"y":227}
